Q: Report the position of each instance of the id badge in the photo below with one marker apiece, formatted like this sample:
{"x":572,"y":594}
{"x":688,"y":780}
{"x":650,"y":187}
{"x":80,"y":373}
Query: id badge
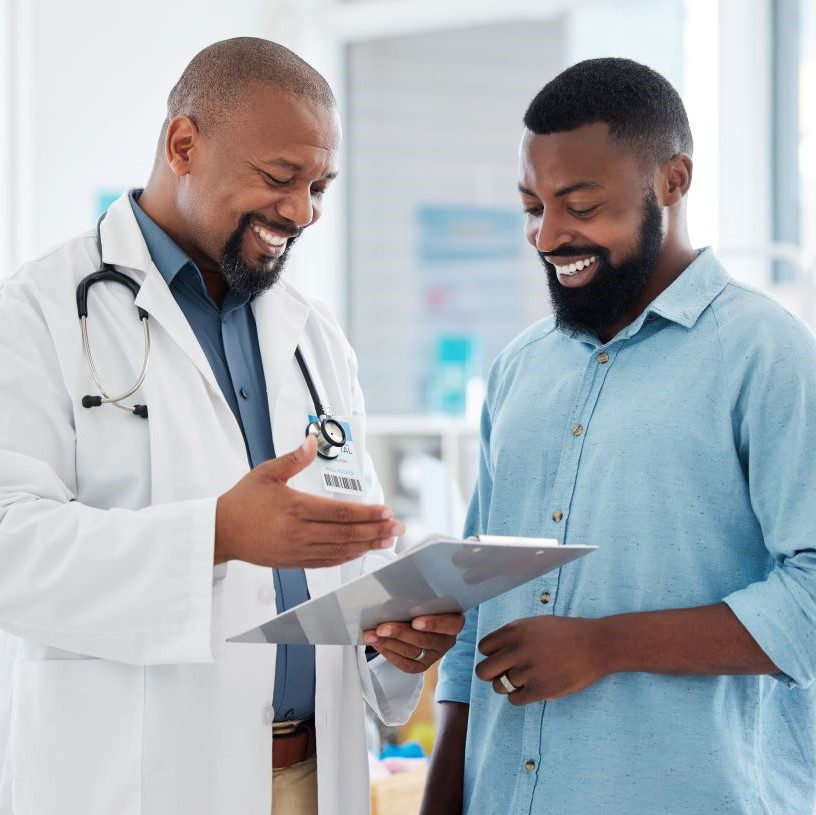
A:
{"x":342,"y":474}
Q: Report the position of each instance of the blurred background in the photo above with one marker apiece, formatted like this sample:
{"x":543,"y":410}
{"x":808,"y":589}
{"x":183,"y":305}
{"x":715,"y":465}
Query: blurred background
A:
{"x":420,"y":252}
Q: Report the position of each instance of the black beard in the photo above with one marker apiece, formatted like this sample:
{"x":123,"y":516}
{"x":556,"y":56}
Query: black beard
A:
{"x":614,"y":290}
{"x":242,"y":277}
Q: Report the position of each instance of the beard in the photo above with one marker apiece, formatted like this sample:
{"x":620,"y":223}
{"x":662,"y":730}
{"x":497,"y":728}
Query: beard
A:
{"x":243,"y":277}
{"x":612,"y":293}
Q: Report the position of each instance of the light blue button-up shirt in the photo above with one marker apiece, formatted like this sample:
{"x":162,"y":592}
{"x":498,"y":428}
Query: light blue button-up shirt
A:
{"x":695,"y":477}
{"x":229,"y":339}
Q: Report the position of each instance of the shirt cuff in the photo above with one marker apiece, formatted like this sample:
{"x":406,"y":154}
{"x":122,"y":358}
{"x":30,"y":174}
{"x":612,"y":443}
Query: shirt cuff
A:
{"x":455,"y":678}
{"x":757,"y":608}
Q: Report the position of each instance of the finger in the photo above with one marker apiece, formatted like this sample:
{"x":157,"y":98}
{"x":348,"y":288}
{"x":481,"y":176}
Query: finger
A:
{"x":404,"y":663}
{"x":493,"y":642}
{"x":523,"y":696}
{"x":407,"y":650}
{"x":282,"y":468}
{"x":497,"y":664}
{"x":450,"y":624}
{"x":350,"y":533}
{"x":420,"y":639}
{"x":514,"y":677}
{"x":330,"y":510}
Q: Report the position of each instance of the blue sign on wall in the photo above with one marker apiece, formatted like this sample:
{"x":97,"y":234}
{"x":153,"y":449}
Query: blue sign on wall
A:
{"x":456,"y":233}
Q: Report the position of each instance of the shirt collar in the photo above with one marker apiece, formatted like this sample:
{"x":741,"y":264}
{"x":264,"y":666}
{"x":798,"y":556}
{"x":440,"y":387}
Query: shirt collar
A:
{"x":688,"y":297}
{"x":168,"y":256}
{"x":682,"y":302}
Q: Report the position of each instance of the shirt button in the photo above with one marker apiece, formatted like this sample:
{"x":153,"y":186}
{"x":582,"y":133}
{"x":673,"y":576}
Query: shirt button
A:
{"x":603,"y":357}
{"x":266,"y":594}
{"x":269,"y":714}
{"x":557,"y":516}
{"x":245,"y":393}
{"x":545,"y":597}
{"x":529,"y":766}
{"x":577,"y":430}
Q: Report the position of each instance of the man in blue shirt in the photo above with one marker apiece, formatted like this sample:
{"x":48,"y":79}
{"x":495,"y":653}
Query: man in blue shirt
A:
{"x":667,"y":414}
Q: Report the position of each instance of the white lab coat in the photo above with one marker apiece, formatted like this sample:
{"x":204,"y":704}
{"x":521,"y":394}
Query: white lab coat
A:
{"x":118,"y":691}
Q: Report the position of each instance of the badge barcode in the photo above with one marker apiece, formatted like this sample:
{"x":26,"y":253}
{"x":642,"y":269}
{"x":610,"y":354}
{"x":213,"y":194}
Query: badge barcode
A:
{"x":342,"y":482}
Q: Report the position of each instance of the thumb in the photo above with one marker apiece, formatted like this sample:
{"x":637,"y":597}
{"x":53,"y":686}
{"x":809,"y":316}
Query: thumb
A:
{"x":283,"y":468}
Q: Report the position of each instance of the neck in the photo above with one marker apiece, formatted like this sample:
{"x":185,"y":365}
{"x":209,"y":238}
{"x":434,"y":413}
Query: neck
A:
{"x":675,"y":256}
{"x":158,"y":202}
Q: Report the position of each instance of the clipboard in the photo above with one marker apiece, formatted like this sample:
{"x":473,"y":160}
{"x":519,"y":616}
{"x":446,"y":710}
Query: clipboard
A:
{"x":438,"y":576}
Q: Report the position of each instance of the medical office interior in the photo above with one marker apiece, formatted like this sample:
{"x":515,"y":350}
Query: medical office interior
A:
{"x":420,"y":251}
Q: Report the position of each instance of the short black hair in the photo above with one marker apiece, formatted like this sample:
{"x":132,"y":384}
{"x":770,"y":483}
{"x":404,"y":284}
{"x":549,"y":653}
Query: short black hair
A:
{"x":214,"y":82}
{"x":642,"y":109}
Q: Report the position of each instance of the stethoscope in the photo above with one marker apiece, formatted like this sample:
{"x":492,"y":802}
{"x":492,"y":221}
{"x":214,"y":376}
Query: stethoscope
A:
{"x":330,"y":433}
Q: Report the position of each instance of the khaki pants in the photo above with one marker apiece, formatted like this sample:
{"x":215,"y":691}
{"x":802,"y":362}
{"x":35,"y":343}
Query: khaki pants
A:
{"x":294,"y":790}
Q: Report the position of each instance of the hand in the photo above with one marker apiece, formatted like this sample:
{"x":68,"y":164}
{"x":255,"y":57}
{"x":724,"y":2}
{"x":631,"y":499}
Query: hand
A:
{"x":262,"y":521}
{"x":429,"y":637}
{"x":544,"y":657}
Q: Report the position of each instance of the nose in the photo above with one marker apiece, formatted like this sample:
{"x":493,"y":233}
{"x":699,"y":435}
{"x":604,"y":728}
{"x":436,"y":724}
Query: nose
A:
{"x":297,"y":207}
{"x":550,"y":231}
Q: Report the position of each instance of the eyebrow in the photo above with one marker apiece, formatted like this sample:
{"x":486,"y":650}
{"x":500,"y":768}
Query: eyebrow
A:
{"x":580,"y":185}
{"x":296,"y":168}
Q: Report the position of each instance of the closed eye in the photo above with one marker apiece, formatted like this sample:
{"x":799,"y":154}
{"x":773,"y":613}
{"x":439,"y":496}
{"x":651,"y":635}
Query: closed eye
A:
{"x":277,"y":182}
{"x":582,"y":213}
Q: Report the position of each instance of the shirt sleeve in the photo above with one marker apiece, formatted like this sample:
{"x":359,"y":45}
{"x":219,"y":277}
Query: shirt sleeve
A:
{"x":775,"y":431}
{"x":456,"y":667}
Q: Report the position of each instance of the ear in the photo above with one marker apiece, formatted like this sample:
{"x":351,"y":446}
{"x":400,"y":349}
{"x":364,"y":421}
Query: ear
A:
{"x":179,"y":142}
{"x":674,"y":179}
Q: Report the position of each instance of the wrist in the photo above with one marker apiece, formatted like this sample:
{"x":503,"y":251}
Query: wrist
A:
{"x":221,"y":552}
{"x":611,"y":645}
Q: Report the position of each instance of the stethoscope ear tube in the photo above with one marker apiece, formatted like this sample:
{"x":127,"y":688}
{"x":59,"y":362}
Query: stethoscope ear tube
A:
{"x":105,"y":273}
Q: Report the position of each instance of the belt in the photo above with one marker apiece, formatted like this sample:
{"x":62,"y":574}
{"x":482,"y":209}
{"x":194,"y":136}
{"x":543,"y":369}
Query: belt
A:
{"x":292,"y":742}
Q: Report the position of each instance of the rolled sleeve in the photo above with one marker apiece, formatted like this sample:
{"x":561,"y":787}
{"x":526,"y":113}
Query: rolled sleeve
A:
{"x":456,"y":667}
{"x":779,"y":614}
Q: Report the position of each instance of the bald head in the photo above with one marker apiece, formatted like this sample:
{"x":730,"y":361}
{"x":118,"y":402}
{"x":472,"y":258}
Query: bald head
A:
{"x":216,"y":81}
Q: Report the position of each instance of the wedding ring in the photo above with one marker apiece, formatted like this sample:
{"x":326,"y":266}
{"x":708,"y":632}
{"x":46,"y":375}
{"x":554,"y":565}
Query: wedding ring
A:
{"x":420,"y":656}
{"x":507,"y":684}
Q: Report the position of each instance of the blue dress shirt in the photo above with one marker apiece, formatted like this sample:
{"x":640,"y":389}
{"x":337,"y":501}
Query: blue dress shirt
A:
{"x":229,"y":340}
{"x":683,"y":448}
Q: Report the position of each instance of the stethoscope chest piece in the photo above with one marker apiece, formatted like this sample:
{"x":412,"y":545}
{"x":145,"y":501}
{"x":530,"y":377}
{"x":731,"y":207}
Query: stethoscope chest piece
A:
{"x":330,"y":436}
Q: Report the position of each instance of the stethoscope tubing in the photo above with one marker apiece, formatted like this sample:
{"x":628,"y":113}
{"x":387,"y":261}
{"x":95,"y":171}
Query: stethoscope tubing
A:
{"x":106,"y":397}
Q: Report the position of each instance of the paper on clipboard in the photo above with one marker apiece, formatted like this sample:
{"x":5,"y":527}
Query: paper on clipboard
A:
{"x":438,"y":576}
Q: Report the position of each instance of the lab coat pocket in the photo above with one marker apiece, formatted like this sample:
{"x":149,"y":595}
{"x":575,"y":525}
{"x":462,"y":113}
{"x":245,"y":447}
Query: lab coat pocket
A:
{"x":76,"y":737}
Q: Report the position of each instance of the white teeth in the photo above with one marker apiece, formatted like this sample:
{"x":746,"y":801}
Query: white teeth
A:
{"x":268,"y":237}
{"x":570,"y":269}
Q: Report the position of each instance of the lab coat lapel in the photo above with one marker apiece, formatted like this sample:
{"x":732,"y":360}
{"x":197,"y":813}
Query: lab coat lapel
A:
{"x":280,"y":319}
{"x":157,"y":300}
{"x":124,"y":246}
{"x":281,"y":315}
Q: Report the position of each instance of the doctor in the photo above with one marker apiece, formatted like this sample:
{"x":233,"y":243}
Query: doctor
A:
{"x":133,"y":547}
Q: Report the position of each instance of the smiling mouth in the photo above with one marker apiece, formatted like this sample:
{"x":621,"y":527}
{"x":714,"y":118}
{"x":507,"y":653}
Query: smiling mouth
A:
{"x":269,"y":238}
{"x":569,"y":269}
